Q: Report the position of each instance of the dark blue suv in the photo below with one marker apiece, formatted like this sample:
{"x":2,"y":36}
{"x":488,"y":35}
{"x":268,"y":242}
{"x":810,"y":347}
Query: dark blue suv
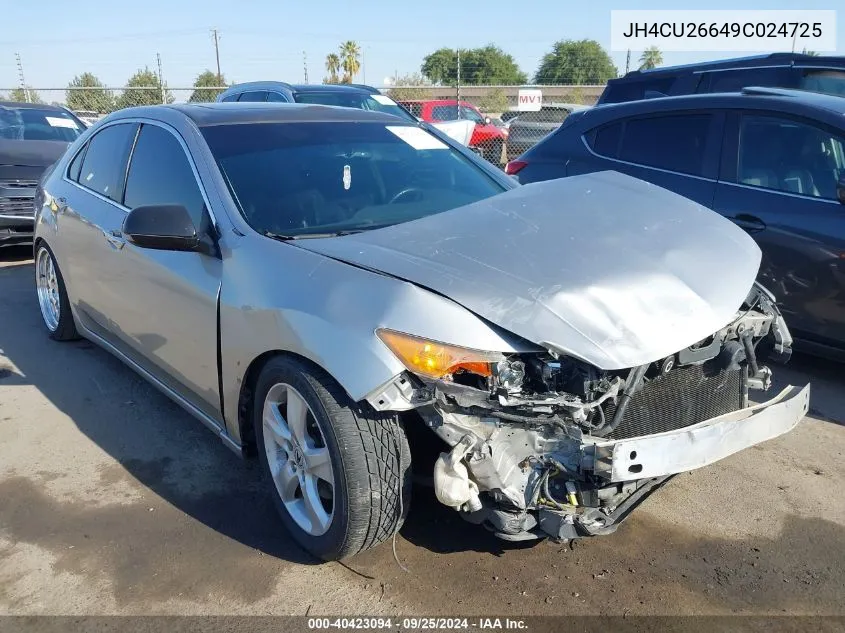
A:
{"x":771,"y":160}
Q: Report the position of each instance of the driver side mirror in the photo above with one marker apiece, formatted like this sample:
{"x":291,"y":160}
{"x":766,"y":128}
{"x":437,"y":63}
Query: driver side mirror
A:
{"x":840,"y":189}
{"x":166,"y":227}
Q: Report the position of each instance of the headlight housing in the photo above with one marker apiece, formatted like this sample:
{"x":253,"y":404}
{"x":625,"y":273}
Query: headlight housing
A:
{"x":433,"y":359}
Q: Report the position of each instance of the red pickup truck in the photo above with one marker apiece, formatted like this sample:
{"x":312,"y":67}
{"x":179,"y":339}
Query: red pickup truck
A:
{"x":487,"y":139}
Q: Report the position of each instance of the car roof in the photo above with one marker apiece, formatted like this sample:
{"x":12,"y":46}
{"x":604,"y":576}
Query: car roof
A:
{"x":25,"y":105}
{"x":300,"y":88}
{"x":208,"y":114}
{"x":773,"y":59}
{"x":751,"y":96}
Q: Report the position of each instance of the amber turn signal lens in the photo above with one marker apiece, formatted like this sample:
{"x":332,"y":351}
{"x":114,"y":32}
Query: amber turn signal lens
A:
{"x":435,"y":360}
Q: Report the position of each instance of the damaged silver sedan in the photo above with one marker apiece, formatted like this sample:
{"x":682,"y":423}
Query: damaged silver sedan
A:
{"x":312,"y":282}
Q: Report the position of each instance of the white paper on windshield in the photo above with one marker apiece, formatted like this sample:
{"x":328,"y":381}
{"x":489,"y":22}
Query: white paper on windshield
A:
{"x":383,"y":100}
{"x":417,"y":138}
{"x":55,"y":121}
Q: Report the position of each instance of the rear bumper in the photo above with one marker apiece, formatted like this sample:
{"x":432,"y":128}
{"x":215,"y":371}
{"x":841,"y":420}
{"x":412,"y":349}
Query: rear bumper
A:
{"x":16,"y":230}
{"x":692,"y":447}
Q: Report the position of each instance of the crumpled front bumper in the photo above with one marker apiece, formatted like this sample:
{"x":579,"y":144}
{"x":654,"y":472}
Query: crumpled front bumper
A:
{"x":692,"y":447}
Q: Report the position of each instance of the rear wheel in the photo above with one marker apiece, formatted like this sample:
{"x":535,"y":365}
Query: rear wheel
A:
{"x":52,"y":296}
{"x":340,"y":471}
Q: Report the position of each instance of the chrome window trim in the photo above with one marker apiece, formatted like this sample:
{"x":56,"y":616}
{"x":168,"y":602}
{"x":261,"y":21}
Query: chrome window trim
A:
{"x":144,"y":121}
{"x":800,"y":196}
{"x":625,"y":162}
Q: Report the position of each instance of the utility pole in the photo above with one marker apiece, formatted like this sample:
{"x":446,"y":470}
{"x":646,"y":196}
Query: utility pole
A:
{"x":628,"y":61}
{"x":216,"y":39}
{"x":20,"y":76}
{"x":160,"y":79}
{"x":305,"y":65}
{"x":458,"y":85}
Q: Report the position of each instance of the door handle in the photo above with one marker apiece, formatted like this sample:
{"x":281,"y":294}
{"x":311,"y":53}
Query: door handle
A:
{"x":749,"y":222}
{"x":59,"y":205}
{"x":115,"y":239}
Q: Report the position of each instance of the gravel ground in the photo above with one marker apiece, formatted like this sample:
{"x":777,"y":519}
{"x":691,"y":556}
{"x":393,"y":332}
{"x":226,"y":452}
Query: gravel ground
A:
{"x":114,"y":501}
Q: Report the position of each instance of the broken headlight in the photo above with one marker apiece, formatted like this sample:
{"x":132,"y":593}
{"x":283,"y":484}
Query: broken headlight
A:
{"x":433,"y":359}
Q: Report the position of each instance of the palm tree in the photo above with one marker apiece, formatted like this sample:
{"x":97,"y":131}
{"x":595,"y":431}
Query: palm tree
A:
{"x":650,"y":58}
{"x":811,"y":53}
{"x":350,"y":54}
{"x":333,"y":66}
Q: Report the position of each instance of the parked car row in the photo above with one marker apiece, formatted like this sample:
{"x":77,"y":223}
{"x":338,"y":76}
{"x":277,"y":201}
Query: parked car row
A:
{"x":770,"y":159}
{"x":334,"y":278}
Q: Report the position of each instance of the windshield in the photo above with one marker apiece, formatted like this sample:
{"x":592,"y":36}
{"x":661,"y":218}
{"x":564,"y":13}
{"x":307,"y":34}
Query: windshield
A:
{"x":307,"y":179}
{"x":358,"y":100}
{"x":37,"y":124}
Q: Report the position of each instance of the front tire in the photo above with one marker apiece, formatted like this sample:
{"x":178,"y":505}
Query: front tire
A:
{"x":339,"y":471}
{"x":52,"y":296}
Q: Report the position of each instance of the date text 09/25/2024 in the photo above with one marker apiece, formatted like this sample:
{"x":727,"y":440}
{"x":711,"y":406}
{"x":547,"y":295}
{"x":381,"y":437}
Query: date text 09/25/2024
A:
{"x":417,"y":623}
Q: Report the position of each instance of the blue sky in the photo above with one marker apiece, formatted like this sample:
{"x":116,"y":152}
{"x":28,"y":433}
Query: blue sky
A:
{"x":265,"y":39}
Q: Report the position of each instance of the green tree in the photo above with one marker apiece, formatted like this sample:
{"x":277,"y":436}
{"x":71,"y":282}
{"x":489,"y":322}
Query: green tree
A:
{"x":350,"y":60}
{"x":651,"y":58}
{"x":86,"y":92}
{"x":488,"y":65}
{"x":333,"y":67}
{"x":410,"y":87}
{"x":575,"y":62}
{"x":143,"y":88}
{"x":206,"y":87}
{"x":495,"y":102}
{"x":810,"y":53}
{"x":25,"y":95}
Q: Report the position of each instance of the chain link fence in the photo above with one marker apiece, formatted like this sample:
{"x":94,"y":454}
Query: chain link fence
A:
{"x":502,"y":131}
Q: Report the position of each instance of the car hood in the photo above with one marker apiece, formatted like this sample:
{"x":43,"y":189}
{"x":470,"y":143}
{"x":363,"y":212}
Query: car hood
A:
{"x":603,"y":267}
{"x":31,"y":153}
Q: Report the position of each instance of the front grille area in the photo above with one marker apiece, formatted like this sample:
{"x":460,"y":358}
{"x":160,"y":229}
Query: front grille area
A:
{"x":17,"y":207}
{"x":17,"y":198}
{"x":685,"y":396}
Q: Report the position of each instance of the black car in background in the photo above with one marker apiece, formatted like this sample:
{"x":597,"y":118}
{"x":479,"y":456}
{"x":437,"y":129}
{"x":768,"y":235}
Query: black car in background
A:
{"x":32,"y":137}
{"x":781,"y":70}
{"x":771,"y":160}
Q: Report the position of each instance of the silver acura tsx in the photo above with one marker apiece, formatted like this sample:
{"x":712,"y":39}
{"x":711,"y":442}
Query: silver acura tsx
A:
{"x":310,"y":282}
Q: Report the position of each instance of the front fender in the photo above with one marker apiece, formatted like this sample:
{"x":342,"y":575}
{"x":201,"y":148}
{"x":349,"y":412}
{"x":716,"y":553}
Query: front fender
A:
{"x":276,"y":297}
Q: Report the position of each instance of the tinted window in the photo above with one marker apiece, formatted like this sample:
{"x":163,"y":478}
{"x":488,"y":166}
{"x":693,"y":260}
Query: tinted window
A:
{"x":786,"y":155}
{"x":831,"y":82}
{"x":104,"y":164}
{"x":76,"y":166}
{"x":276,"y":96}
{"x":312,"y":178}
{"x":635,"y":90}
{"x":606,"y":139}
{"x":161,"y":174}
{"x":357,"y":100}
{"x":674,"y":142}
{"x":230,"y":98}
{"x":736,"y":80}
{"x":444,"y":112}
{"x":546,"y":115}
{"x":258,"y":95}
{"x":38,"y":124}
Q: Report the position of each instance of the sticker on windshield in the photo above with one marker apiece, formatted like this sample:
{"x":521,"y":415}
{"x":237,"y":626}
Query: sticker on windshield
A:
{"x":417,"y":138}
{"x":347,"y":177}
{"x":383,"y":100}
{"x":55,"y":121}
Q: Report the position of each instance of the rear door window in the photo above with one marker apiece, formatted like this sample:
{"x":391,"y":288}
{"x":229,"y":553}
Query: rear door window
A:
{"x":736,"y":80}
{"x":676,"y":142}
{"x":277,"y":97}
{"x":104,"y":164}
{"x":605,"y":140}
{"x":160,"y":173}
{"x":230,"y":98}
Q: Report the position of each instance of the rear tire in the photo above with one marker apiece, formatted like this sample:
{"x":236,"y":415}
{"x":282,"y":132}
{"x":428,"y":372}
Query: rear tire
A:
{"x":339,"y":472}
{"x":52,"y":296}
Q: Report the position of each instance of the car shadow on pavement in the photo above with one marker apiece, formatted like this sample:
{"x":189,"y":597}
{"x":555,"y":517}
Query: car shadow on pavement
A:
{"x":156,"y":444}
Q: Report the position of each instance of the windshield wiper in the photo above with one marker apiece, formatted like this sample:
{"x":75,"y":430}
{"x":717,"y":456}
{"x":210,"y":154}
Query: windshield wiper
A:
{"x":308,"y":236}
